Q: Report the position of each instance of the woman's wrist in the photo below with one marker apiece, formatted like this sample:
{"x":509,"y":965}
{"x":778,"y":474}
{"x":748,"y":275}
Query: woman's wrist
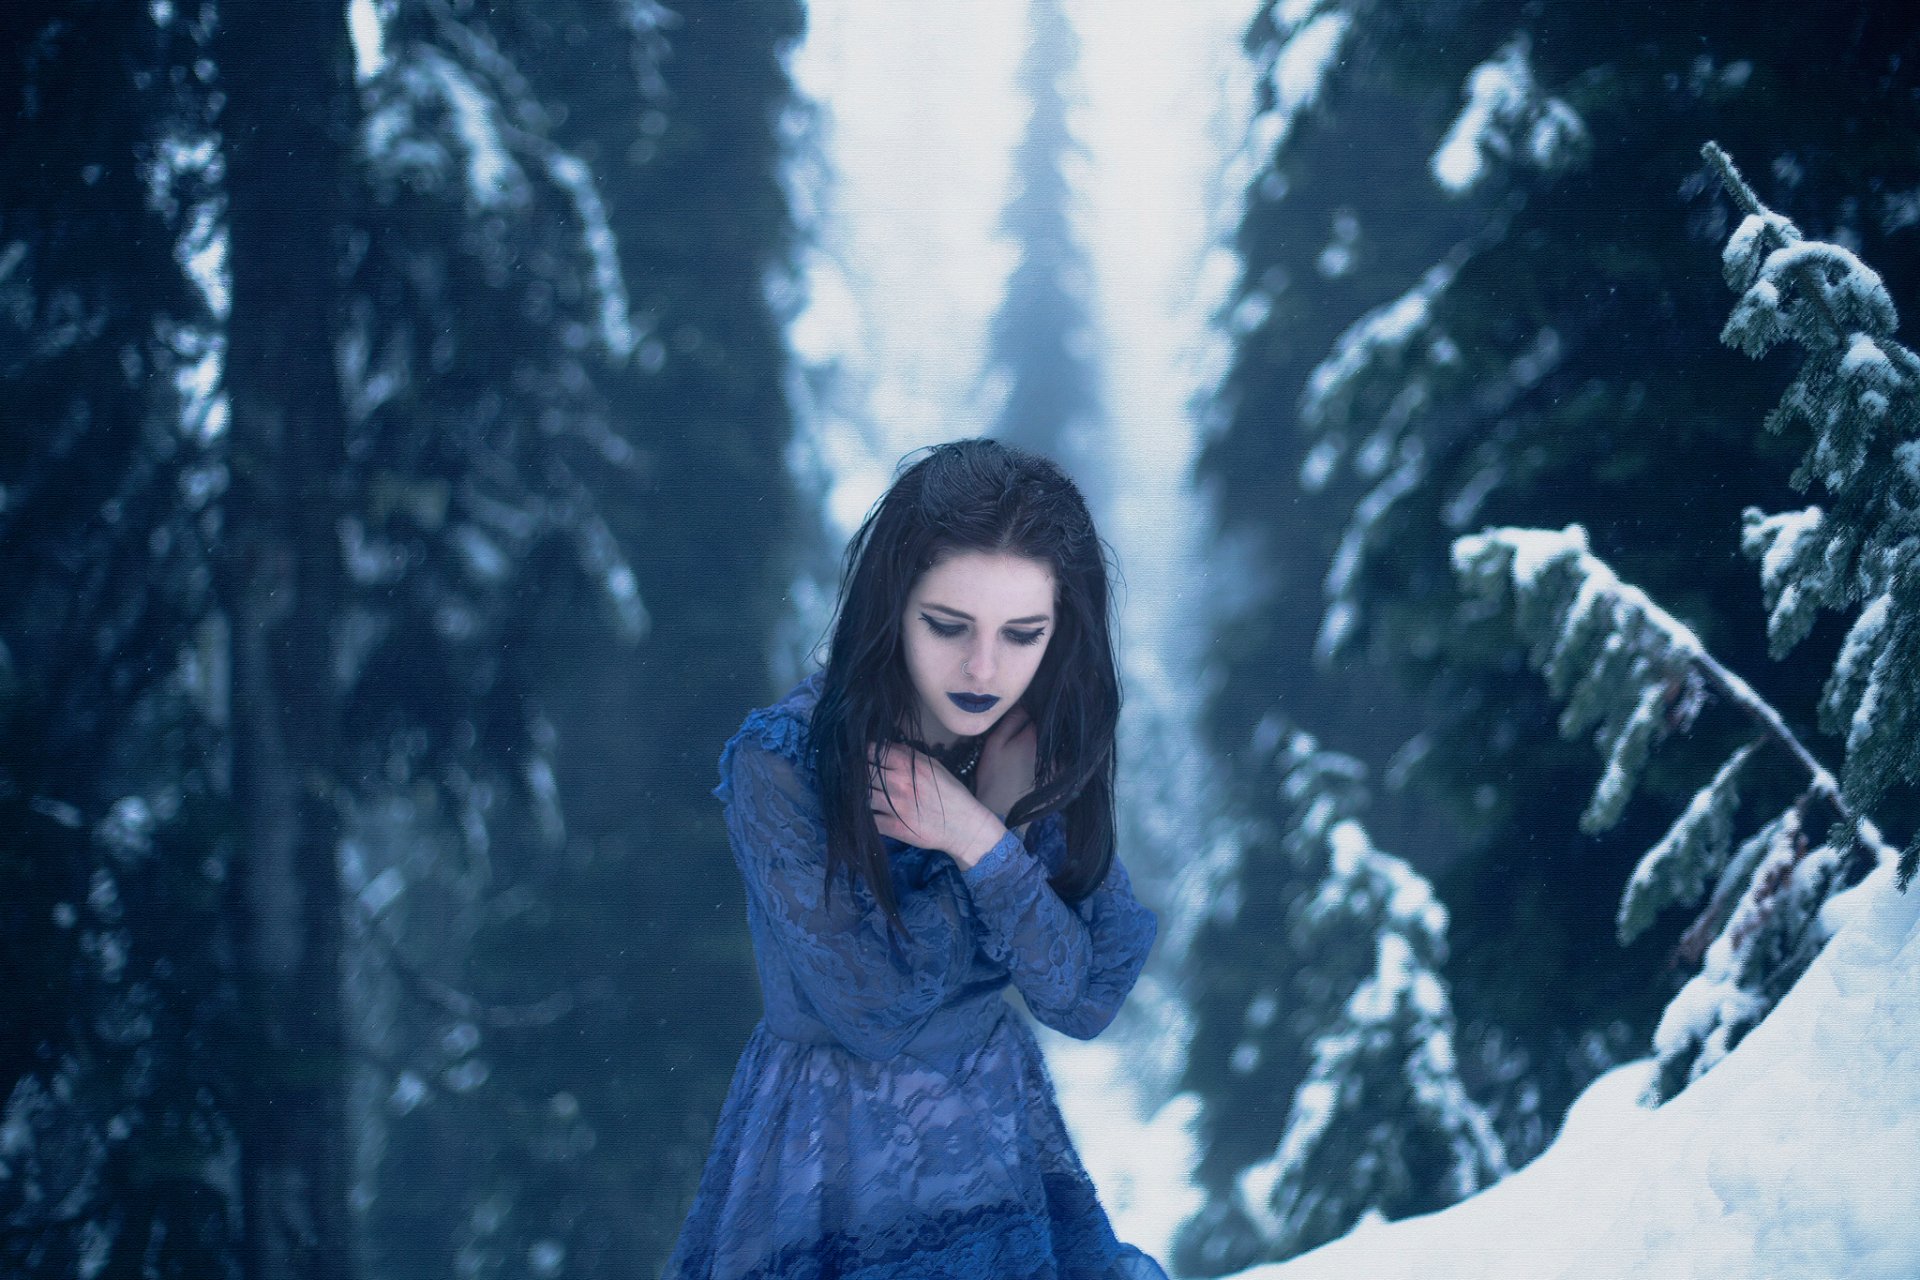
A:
{"x":978,"y":840}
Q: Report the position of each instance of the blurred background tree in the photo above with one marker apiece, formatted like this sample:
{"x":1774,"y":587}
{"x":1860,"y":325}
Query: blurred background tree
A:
{"x":395,"y":518}
{"x":118,"y":1024}
{"x":1045,"y":343}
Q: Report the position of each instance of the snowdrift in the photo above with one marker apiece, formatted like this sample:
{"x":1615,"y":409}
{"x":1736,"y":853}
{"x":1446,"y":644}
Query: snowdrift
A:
{"x":1798,"y":1155}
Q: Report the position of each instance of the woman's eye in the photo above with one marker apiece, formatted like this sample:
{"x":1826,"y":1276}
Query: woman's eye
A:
{"x":939,"y":630}
{"x":947,"y":630}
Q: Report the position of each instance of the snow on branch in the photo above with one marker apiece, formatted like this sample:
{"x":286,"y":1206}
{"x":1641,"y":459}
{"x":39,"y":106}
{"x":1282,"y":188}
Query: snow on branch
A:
{"x":1382,"y":343}
{"x":458,"y":113}
{"x":596,"y":237}
{"x":1694,"y":848}
{"x":1380,"y":370}
{"x":1622,"y":662}
{"x":1619,"y":659}
{"x":1773,"y":930}
{"x":1801,"y":568}
{"x":1300,"y":45}
{"x":1341,"y":619}
{"x":1301,"y":62}
{"x":1372,"y":396}
{"x":1857,"y":395}
{"x":429,"y":120}
{"x":1507,"y":118}
{"x":1626,"y":666}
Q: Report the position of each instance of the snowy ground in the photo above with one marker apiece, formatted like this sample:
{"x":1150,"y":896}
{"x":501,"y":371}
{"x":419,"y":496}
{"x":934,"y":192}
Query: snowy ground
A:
{"x":1797,"y":1156}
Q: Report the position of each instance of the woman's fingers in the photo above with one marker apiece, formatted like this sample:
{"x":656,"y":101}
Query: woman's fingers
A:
{"x":894,"y":763}
{"x":908,"y":794}
{"x":904,"y":795}
{"x":902,"y":765}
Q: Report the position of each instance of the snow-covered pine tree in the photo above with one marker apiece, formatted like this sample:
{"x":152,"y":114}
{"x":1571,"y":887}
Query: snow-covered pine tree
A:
{"x":1255,"y":1008}
{"x":1381,"y":1125}
{"x":486,"y":325}
{"x":1348,"y":1004}
{"x":1632,"y":674}
{"x":505,"y":398}
{"x":564,"y":342}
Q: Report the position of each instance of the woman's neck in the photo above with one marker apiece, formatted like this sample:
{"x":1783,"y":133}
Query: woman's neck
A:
{"x":960,"y":757}
{"x":935,"y":735}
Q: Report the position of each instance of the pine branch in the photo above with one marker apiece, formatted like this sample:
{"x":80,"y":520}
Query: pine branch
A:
{"x":1858,"y":393}
{"x":1805,"y":274}
{"x":1821,"y":783}
{"x":1749,"y":203}
{"x":1554,"y":633}
{"x":1730,"y":178}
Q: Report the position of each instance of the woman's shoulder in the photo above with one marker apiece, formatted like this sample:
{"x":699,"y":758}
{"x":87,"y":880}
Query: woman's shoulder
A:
{"x":783,"y":727}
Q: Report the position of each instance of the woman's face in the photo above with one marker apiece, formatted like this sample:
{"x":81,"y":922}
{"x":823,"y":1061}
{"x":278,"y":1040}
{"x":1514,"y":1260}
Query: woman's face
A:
{"x":976,"y":623}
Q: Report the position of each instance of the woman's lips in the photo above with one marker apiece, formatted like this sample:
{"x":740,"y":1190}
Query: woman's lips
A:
{"x":973,"y":703}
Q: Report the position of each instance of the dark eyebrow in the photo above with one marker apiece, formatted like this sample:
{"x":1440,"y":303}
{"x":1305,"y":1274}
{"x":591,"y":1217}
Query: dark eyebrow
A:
{"x":1035,"y":617}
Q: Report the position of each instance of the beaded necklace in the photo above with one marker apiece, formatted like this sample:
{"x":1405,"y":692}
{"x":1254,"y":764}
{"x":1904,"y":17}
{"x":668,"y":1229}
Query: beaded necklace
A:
{"x":960,"y":759}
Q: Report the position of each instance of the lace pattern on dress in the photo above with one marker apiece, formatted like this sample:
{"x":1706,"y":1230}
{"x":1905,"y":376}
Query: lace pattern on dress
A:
{"x":1007,"y":1241}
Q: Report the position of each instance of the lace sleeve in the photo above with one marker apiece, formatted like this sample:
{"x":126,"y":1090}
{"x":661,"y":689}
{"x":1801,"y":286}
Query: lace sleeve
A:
{"x":1074,"y":964}
{"x":872,"y":989}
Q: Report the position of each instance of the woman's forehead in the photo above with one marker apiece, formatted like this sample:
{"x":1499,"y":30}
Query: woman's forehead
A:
{"x":993,"y":580}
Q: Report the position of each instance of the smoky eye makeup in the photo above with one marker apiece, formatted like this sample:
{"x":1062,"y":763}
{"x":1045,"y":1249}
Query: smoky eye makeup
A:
{"x":947,"y":632}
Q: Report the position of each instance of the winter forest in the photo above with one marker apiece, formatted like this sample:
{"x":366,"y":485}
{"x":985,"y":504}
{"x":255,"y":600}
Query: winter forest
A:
{"x":430,"y":425}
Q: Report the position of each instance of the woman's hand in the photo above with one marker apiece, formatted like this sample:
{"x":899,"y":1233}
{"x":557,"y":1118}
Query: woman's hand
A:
{"x":925,"y":805}
{"x":1006,"y":770}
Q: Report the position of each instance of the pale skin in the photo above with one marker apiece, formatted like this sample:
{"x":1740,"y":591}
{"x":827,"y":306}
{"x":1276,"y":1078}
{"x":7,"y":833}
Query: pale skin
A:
{"x":977,"y":623}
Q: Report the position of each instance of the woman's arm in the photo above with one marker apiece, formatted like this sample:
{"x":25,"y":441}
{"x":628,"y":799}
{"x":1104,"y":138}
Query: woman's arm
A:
{"x":872,"y":989}
{"x":1073,"y":964}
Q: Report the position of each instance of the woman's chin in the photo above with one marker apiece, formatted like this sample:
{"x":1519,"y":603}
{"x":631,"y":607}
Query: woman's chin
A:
{"x":959,"y":724}
{"x":974,"y":726}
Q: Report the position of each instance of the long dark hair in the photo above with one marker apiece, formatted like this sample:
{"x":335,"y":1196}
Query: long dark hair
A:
{"x":973,"y":495}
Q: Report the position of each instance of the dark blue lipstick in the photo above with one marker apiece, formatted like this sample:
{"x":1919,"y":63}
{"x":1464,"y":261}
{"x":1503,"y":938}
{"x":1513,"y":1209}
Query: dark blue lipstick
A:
{"x":973,"y":703}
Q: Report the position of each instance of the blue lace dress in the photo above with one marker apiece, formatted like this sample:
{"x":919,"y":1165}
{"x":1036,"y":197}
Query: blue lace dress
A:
{"x":891,"y":1116}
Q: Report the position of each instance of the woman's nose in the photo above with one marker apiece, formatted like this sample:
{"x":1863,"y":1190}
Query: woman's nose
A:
{"x":980,"y":662}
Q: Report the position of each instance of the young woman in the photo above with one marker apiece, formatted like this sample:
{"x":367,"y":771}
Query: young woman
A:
{"x":922,"y":824}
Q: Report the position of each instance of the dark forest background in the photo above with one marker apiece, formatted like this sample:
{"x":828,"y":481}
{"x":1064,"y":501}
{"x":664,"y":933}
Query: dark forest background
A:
{"x":401,"y":501}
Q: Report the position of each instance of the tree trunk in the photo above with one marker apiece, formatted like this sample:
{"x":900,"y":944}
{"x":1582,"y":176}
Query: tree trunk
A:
{"x":284,"y":67}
